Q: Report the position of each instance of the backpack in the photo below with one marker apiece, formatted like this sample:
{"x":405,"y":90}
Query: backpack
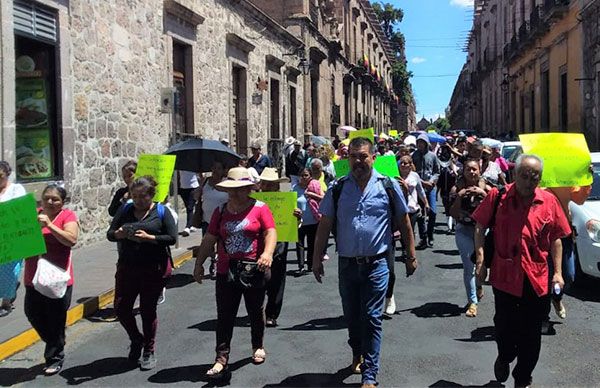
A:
{"x":336,"y":192}
{"x":160,"y":208}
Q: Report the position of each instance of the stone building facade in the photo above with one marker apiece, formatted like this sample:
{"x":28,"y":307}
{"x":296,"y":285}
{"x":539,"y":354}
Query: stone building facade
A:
{"x":590,"y":81}
{"x":524,"y":68}
{"x":82,"y":84}
{"x":350,"y":81}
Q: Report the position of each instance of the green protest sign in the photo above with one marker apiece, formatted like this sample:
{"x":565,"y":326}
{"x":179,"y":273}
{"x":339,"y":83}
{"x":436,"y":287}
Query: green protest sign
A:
{"x":282,"y":207}
{"x":20,"y":233}
{"x":387,"y":165}
{"x":368,"y":133}
{"x":342,"y":168}
{"x":161,"y":168}
{"x":566,"y":158}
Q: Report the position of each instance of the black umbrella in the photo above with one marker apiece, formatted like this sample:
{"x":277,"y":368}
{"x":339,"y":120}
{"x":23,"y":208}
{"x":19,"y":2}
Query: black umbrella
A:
{"x":198,"y":155}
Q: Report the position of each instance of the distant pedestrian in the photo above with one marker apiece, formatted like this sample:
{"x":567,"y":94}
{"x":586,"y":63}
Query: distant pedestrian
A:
{"x":275,"y":287}
{"x":490,"y":171}
{"x":258,"y":160}
{"x":295,"y":162}
{"x":144,"y":230}
{"x":122,"y":195}
{"x":336,"y":142}
{"x":310,"y":195}
{"x":244,"y":230}
{"x":528,"y":228}
{"x":428,"y":167}
{"x":9,"y":272}
{"x":364,"y":215}
{"x":47,"y":315}
{"x":188,"y":184}
{"x":465,"y":197}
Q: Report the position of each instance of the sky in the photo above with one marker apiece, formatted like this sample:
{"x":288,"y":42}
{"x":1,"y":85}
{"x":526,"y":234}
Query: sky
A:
{"x":435,"y":32}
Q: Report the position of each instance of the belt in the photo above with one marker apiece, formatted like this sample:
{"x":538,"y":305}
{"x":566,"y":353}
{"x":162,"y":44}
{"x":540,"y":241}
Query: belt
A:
{"x":365,"y":259}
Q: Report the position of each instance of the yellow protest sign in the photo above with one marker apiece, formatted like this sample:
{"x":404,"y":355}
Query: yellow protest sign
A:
{"x":161,"y":168}
{"x":282,"y":207}
{"x":368,"y":133}
{"x":566,"y":158}
{"x":393,"y":133}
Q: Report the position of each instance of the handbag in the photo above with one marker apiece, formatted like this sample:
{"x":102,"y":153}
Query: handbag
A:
{"x":51,"y":280}
{"x":489,"y":245}
{"x":246,"y":274}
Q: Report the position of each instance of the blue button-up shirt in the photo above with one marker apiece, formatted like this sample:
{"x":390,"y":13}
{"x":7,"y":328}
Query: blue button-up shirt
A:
{"x":364,"y":222}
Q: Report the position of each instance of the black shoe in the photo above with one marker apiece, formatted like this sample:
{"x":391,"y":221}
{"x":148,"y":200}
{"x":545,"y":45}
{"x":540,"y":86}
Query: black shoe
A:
{"x":300,"y":272}
{"x":148,"y":361}
{"x":523,"y":384}
{"x":430,"y":242}
{"x":135,"y":352}
{"x":422,"y":245}
{"x":271,"y":322}
{"x":501,"y":370}
{"x":53,"y":368}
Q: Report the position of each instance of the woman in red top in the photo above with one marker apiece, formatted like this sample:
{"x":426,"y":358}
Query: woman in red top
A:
{"x":48,"y":316}
{"x":244,"y":229}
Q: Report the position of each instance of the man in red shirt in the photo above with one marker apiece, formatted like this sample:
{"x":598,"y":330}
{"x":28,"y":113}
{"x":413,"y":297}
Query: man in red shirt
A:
{"x":527,"y":231}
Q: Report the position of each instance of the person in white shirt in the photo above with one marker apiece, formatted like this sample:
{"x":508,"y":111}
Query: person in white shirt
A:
{"x":9,"y":272}
{"x":188,"y":183}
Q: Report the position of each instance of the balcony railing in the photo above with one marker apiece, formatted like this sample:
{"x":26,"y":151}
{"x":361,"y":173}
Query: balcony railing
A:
{"x":554,"y":9}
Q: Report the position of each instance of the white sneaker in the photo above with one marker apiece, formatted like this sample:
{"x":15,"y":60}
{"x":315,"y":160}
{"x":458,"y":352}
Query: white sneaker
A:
{"x":186,"y":232}
{"x":193,"y":229}
{"x":390,"y":306}
{"x":162,"y":297}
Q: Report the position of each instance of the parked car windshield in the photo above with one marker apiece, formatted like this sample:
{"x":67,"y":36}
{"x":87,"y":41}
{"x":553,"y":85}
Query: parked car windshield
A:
{"x":595,"y":194}
{"x":508,"y":150}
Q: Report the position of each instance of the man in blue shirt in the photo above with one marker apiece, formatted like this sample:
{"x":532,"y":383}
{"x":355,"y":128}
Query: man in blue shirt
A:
{"x":364,"y":223}
{"x":258,"y":160}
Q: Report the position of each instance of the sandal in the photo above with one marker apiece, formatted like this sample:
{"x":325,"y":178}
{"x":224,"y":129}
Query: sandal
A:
{"x":471,"y":310}
{"x":215,"y":372}
{"x":259,"y":356}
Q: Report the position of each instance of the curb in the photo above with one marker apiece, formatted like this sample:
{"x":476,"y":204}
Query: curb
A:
{"x":76,"y":313}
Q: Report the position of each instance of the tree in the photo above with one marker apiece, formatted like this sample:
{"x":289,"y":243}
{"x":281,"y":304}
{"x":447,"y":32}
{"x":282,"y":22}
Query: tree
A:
{"x":442,"y":123}
{"x":388,"y":15}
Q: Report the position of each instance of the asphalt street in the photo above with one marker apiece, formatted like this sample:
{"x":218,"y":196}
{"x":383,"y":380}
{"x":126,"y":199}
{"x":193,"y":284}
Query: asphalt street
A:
{"x":429,"y":342}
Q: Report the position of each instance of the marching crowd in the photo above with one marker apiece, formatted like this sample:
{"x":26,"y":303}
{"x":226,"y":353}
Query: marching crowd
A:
{"x":366,"y":212}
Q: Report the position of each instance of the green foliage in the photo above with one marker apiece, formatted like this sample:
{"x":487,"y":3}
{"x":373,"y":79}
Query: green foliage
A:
{"x":388,"y":15}
{"x":401,"y":81}
{"x":442,"y":123}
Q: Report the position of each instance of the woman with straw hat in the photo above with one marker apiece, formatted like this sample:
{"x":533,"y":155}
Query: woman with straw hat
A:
{"x":244,"y":231}
{"x":270,"y":182}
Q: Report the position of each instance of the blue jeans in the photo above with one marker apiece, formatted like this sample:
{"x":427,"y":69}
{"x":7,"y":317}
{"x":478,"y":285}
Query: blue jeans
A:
{"x":362,"y":288}
{"x":423,"y":229}
{"x":466,"y":246}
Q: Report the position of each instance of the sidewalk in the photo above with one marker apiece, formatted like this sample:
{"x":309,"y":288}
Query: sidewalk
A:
{"x":94,"y":272}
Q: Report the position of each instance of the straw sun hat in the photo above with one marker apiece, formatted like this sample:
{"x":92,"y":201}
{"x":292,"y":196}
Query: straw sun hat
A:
{"x":236,"y":177}
{"x":269,"y":174}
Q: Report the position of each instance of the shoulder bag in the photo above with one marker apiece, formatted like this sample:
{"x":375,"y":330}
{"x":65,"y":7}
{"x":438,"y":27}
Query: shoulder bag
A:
{"x":489,"y":246}
{"x":51,"y":280}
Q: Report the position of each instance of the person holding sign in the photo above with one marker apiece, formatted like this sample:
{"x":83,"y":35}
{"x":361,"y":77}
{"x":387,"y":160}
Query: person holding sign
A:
{"x":9,"y":272}
{"x":48,"y":316}
{"x":270,"y":182}
{"x":144,"y":229}
{"x":244,"y":230}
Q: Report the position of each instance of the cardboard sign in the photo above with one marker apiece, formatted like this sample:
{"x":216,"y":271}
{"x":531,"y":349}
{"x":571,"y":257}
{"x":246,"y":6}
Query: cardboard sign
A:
{"x":566,"y":158}
{"x":387,"y":166}
{"x":20,"y":233}
{"x":342,"y":168}
{"x":161,"y":168}
{"x":282,"y":207}
{"x":368,"y":134}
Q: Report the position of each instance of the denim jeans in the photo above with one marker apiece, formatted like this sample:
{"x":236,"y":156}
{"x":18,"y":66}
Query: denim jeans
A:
{"x":362,"y":288}
{"x":466,"y":246}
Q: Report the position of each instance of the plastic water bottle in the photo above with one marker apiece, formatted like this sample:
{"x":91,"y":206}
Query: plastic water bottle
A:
{"x":557,"y":289}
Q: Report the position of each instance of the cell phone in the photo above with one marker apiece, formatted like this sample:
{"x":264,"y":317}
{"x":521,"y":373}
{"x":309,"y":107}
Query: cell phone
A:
{"x":129,"y":229}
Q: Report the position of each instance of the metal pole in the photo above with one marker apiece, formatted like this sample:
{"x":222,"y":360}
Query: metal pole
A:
{"x":174,"y":179}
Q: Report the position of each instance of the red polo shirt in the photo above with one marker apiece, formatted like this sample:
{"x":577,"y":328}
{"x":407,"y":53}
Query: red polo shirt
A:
{"x":523,"y":236}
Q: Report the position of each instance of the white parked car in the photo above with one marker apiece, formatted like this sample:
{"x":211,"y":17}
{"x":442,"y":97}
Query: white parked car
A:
{"x":509,"y":147}
{"x":586,"y":220}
